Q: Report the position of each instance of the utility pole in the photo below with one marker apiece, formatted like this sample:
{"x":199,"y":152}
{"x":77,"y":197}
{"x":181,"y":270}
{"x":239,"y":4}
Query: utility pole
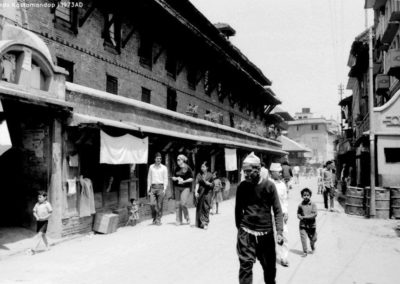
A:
{"x":341,"y":91}
{"x":372,"y":209}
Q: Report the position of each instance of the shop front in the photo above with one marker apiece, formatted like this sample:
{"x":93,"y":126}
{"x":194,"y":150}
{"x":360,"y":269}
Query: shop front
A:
{"x":387,"y":131}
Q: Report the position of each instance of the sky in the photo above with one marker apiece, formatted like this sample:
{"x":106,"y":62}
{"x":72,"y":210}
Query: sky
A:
{"x":301,"y":46}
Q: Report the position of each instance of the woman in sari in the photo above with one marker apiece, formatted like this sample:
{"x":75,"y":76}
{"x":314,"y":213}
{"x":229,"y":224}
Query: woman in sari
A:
{"x":203,"y":194}
{"x":182,"y":179}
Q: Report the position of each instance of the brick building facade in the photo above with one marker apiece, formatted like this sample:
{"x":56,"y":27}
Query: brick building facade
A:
{"x":161,"y":71}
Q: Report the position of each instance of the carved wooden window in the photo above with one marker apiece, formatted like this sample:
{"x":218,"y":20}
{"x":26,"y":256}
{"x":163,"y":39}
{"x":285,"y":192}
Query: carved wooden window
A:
{"x":146,"y":95}
{"x":191,"y":77}
{"x":171,"y":99}
{"x":112,"y":32}
{"x":66,"y":15}
{"x":146,"y":50}
{"x":112,"y":85}
{"x":232,"y":119}
{"x":67,"y":65}
{"x":171,"y":64}
{"x":207,"y":87}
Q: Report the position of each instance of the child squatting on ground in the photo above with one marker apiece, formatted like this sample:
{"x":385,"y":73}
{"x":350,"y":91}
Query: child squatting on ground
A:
{"x":133,"y":213}
{"x":307,"y":213}
{"x":42,"y":212}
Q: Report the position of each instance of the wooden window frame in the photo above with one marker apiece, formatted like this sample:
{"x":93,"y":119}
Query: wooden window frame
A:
{"x":64,"y":64}
{"x":146,"y":95}
{"x":113,"y":89}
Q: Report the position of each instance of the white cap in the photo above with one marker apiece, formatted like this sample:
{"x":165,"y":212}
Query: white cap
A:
{"x":251,"y":160}
{"x":275,"y":167}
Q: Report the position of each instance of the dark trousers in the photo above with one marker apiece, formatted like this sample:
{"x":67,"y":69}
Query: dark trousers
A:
{"x":329,"y":192}
{"x":250,"y":248}
{"x":156,"y":202}
{"x":310,"y":233}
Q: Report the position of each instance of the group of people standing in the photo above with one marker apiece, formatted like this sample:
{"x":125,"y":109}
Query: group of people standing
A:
{"x":208,"y":191}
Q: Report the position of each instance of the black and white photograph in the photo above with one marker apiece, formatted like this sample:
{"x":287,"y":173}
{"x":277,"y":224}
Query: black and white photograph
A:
{"x":200,"y":142}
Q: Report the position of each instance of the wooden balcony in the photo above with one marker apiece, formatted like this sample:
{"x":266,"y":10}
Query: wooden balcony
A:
{"x":393,"y":63}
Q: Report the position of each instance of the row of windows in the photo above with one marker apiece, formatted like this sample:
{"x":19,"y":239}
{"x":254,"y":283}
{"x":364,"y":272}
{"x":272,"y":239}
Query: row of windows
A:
{"x":147,"y":57}
{"x":313,"y":127}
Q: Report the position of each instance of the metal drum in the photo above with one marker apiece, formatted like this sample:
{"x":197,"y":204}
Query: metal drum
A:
{"x":382,"y":203}
{"x":395,"y":201}
{"x":355,"y":201}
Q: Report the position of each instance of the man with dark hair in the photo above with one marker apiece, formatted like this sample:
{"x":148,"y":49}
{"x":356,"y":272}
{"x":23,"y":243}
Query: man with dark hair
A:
{"x":157,"y":182}
{"x":255,"y":199}
{"x":328,"y":189}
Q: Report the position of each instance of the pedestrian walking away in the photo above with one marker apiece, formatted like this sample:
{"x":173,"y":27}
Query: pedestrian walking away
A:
{"x":157,"y":182}
{"x":320,"y":182}
{"x":276,"y":177}
{"x":328,"y":189}
{"x":307,"y":214}
{"x":42,"y":212}
{"x":287,"y":173}
{"x":255,"y":199}
{"x":183,"y":178}
{"x":203,"y":194}
{"x":217,"y":192}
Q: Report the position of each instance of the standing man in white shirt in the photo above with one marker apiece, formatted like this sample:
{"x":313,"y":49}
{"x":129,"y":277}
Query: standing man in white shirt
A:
{"x":157,"y":182}
{"x":276,"y":176}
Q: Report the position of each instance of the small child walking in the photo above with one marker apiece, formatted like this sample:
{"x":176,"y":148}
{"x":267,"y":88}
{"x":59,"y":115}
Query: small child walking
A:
{"x":307,"y":214}
{"x":42,"y":212}
{"x":133,"y":213}
{"x":217,"y":192}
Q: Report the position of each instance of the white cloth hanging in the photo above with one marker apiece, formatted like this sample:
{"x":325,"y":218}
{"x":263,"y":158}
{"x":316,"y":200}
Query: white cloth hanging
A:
{"x":125,"y":149}
{"x":74,"y":161}
{"x":86,"y":199}
{"x":71,"y":186}
{"x":230,"y":160}
{"x":5,"y":139}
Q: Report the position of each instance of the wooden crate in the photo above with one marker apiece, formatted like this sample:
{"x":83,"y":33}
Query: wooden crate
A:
{"x":105,"y":223}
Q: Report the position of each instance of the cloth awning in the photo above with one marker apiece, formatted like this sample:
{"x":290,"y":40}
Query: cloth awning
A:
{"x":125,"y":149}
{"x":346,"y":101}
{"x":290,"y":145}
{"x":79,"y":119}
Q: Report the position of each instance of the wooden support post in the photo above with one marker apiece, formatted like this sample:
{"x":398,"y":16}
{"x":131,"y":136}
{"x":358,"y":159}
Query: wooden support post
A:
{"x":86,"y":16}
{"x":55,"y":190}
{"x":158,"y":54}
{"x":128,"y":37}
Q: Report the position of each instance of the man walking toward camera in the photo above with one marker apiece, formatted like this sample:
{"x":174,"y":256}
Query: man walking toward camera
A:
{"x":157,"y":182}
{"x":255,"y":197}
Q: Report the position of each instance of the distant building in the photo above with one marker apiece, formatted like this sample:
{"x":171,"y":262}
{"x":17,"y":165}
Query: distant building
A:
{"x":317,"y":134}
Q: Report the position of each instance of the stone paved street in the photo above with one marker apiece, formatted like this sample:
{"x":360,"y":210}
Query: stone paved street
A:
{"x":349,"y":250}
